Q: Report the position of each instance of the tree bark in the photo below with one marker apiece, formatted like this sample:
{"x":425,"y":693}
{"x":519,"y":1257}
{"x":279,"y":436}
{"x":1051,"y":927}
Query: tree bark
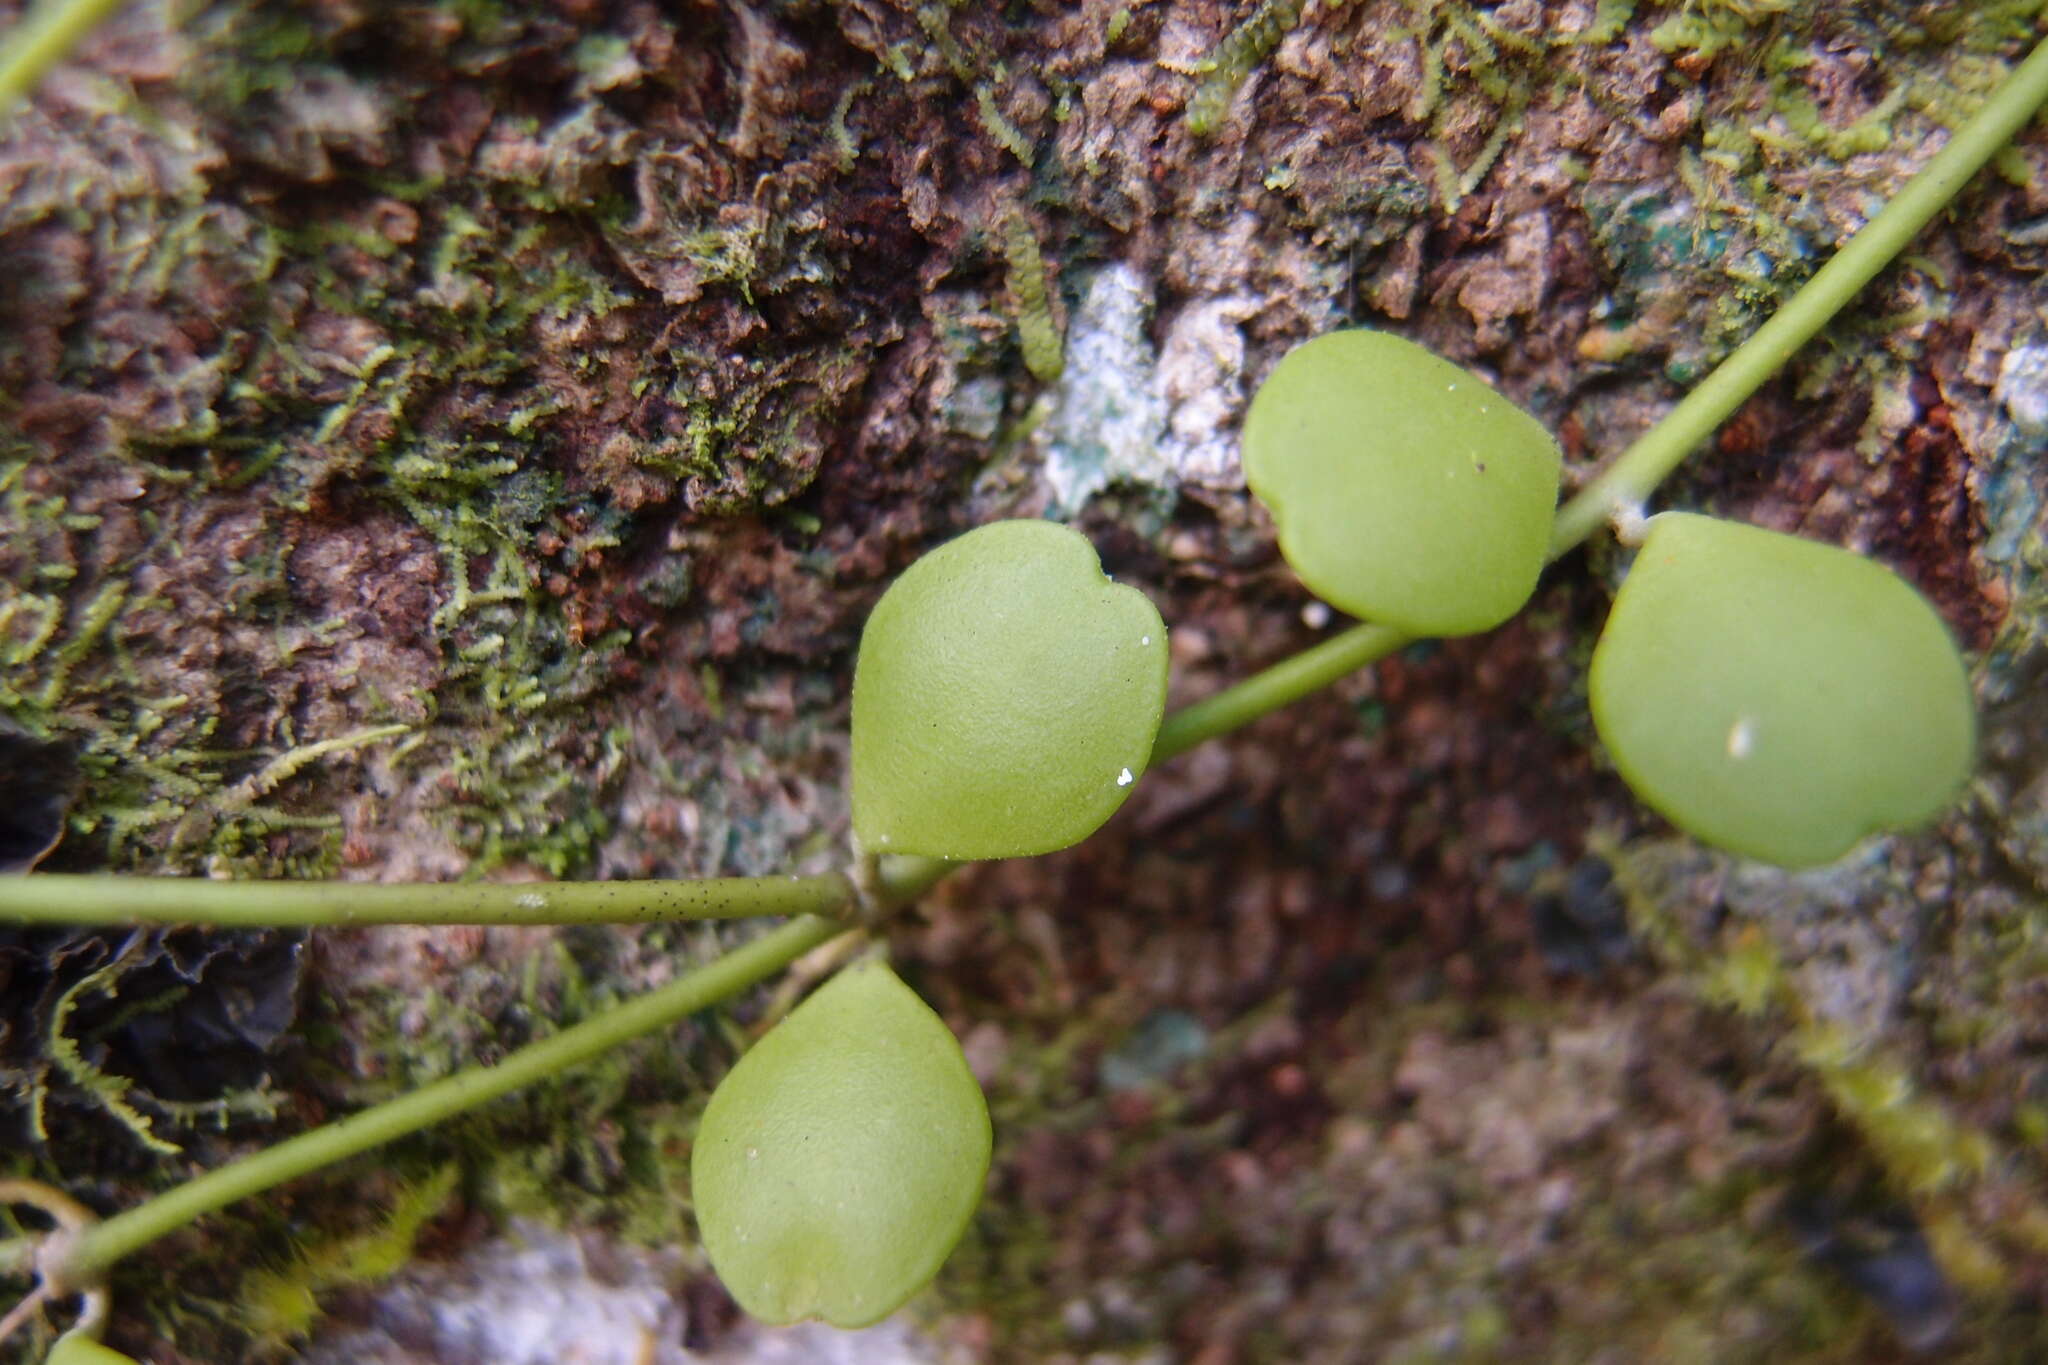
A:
{"x":564,"y":382}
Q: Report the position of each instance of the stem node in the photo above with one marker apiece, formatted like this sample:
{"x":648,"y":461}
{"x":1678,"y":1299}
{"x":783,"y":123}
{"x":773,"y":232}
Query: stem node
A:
{"x":52,"y":1258}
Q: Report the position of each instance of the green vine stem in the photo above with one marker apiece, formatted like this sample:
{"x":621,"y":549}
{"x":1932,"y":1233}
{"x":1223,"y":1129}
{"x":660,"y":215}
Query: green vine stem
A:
{"x":1623,"y":485}
{"x":57,"y":899}
{"x":1635,"y":474}
{"x":1271,"y":688}
{"x":107,"y":1242}
{"x":901,"y":881}
{"x":44,"y":37}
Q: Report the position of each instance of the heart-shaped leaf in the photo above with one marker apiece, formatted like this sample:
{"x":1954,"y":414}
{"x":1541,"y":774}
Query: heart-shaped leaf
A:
{"x":1406,"y":491}
{"x":1006,"y":698}
{"x":1776,"y":697}
{"x":838,"y":1162}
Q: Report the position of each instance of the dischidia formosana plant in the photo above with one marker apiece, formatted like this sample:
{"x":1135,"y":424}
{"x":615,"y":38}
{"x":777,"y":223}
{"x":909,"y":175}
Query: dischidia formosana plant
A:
{"x":1008,"y":697}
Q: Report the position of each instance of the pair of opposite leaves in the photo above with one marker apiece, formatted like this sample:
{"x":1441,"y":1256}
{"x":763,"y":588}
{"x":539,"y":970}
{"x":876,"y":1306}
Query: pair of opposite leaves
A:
{"x":1007,"y":698}
{"x":1771,"y":695}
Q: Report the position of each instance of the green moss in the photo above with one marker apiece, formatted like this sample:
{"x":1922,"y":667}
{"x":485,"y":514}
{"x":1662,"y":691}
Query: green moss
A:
{"x":604,"y":1145}
{"x":1750,"y":230}
{"x":1923,"y":1147}
{"x":1927,"y":1151}
{"x":110,"y":1092}
{"x":749,"y":428}
{"x":1037,"y":333}
{"x":280,"y":1306}
{"x":1610,"y":19}
{"x":1476,"y":74}
{"x":1000,"y":128}
{"x":1706,"y":28}
{"x":1234,"y":58}
{"x":938,"y":27}
{"x":74,"y":666}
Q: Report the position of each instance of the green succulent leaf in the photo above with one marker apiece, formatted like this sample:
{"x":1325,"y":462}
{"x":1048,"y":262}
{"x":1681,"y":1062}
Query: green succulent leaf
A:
{"x":1006,"y":697}
{"x":1776,"y":697}
{"x":75,"y":1349}
{"x":839,"y":1161}
{"x":1406,"y":491}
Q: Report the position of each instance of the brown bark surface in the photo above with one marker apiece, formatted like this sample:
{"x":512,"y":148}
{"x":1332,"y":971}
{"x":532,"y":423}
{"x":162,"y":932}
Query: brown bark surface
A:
{"x":563,"y":383}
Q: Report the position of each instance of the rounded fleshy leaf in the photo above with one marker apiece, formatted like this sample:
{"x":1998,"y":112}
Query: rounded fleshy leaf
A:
{"x":839,"y":1161}
{"x":1006,"y":698}
{"x":76,"y":1349}
{"x":1406,"y":491}
{"x":1776,"y":697}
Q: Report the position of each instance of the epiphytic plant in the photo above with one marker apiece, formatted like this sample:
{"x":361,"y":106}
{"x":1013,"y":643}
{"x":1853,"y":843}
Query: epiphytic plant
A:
{"x":1405,"y":490}
{"x":1008,"y":696}
{"x":838,"y":1163}
{"x":1776,"y":697}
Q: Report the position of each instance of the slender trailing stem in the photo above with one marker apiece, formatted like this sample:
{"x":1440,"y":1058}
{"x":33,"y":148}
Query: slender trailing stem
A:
{"x":45,"y":1256}
{"x":60,"y":1208}
{"x":1636,"y":473}
{"x":56,"y":899}
{"x":23,"y":1311}
{"x":901,"y":881}
{"x":41,"y":39}
{"x":226,"y":904}
{"x":1272,"y":688}
{"x":1626,"y":483}
{"x":109,"y":1241}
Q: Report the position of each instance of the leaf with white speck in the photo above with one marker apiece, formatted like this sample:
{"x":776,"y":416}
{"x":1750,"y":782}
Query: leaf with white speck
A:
{"x":1778,"y":697}
{"x":1002,"y":679}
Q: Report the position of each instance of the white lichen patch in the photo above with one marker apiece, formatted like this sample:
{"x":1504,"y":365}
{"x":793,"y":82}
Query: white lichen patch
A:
{"x":977,"y":408}
{"x":540,"y":1296}
{"x":2008,"y":485}
{"x":1201,"y":382}
{"x":521,"y":1300}
{"x":1127,"y":412}
{"x":2023,"y":388}
{"x":1105,"y":421}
